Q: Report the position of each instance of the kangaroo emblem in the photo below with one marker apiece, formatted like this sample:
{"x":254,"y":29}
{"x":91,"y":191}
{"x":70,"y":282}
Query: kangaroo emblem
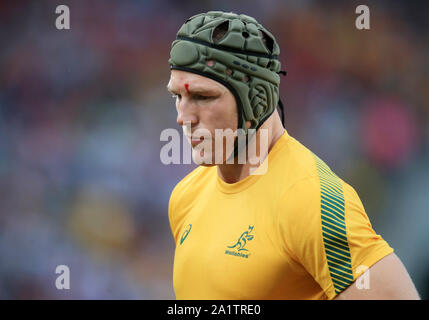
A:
{"x":242,"y":240}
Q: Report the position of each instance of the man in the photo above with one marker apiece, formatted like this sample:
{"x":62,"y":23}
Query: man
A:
{"x":295,"y":232}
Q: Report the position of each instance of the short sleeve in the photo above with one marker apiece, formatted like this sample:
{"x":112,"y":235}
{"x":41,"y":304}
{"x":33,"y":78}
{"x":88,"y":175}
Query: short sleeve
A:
{"x":174,"y":214}
{"x":181,"y":199}
{"x":366,"y":246}
{"x":324,"y":227}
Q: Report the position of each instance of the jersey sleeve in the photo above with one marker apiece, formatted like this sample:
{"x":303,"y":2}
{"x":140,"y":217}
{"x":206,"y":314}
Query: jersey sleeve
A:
{"x":324,"y":227}
{"x":178,"y":205}
{"x":180,"y":202}
{"x":174,"y":215}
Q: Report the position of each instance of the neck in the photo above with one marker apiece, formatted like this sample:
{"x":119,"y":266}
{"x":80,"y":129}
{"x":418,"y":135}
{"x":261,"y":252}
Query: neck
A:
{"x":232,"y":173}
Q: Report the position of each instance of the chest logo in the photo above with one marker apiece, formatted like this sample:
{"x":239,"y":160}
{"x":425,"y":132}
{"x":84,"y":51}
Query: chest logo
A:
{"x":239,"y":248}
{"x":185,"y":233}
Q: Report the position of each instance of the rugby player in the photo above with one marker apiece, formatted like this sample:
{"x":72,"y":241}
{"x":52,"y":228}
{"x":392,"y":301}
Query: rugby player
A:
{"x":298,"y":231}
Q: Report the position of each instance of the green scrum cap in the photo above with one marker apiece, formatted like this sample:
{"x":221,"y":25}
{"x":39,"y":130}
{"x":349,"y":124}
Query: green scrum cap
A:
{"x":245,"y":57}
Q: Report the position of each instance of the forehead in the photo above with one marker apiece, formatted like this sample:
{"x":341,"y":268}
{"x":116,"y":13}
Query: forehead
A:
{"x":179,"y":78}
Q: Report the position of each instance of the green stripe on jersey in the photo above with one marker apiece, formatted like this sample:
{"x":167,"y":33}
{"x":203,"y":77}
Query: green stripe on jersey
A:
{"x":334,"y":233}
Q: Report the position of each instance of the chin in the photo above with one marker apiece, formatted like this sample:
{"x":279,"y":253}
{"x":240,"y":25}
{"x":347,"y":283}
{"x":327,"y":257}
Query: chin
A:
{"x":207,"y":165}
{"x":200,"y":158}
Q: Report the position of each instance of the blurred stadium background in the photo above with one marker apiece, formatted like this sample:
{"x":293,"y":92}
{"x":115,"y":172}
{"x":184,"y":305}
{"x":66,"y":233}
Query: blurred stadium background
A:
{"x":81,"y":112}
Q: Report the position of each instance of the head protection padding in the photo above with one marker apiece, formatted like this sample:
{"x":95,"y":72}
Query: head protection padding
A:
{"x":245,"y":57}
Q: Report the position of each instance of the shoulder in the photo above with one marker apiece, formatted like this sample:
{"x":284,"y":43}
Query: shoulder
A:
{"x":313,"y":189}
{"x":192,"y":181}
{"x":183,"y":195}
{"x":294,"y":165}
{"x":298,"y":175}
{"x":321,"y":200}
{"x":318,"y":191}
{"x":300,"y":201}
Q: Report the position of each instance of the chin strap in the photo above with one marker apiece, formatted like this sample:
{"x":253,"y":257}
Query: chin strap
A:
{"x":283,"y":111}
{"x":284,"y":73}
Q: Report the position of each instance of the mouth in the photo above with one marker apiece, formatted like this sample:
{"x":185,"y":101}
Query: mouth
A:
{"x":195,"y":140}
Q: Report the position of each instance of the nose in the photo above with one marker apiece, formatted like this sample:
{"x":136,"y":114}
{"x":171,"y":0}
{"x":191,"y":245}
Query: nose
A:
{"x":186,"y":113}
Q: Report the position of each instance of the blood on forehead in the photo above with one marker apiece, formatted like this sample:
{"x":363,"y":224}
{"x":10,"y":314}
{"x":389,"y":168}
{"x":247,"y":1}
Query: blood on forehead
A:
{"x":187,"y":87}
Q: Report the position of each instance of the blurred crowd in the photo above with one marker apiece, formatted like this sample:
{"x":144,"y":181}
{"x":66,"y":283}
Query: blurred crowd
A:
{"x":81,"y":112}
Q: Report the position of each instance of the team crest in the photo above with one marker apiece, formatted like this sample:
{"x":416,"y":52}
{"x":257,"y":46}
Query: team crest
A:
{"x":239,"y":248}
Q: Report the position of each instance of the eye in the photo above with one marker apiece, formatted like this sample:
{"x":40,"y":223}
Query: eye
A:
{"x":199,"y":97}
{"x":176,"y":96}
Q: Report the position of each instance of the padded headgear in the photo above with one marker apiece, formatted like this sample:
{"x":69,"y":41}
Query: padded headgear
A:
{"x":242,"y":45}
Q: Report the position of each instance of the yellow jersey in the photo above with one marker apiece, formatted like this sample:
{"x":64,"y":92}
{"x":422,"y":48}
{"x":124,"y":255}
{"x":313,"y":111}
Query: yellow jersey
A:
{"x":296,"y":232}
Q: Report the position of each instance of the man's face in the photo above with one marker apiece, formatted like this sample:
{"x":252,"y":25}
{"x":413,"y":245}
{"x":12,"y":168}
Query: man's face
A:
{"x":203,"y":105}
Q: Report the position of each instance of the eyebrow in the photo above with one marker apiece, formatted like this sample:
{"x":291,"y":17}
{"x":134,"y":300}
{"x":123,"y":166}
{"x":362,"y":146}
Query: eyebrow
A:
{"x":196,"y":90}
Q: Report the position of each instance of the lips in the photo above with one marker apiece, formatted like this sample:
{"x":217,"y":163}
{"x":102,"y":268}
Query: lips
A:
{"x":195,"y":140}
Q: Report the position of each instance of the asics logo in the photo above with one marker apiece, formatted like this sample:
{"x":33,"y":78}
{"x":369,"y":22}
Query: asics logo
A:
{"x":185,"y":233}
